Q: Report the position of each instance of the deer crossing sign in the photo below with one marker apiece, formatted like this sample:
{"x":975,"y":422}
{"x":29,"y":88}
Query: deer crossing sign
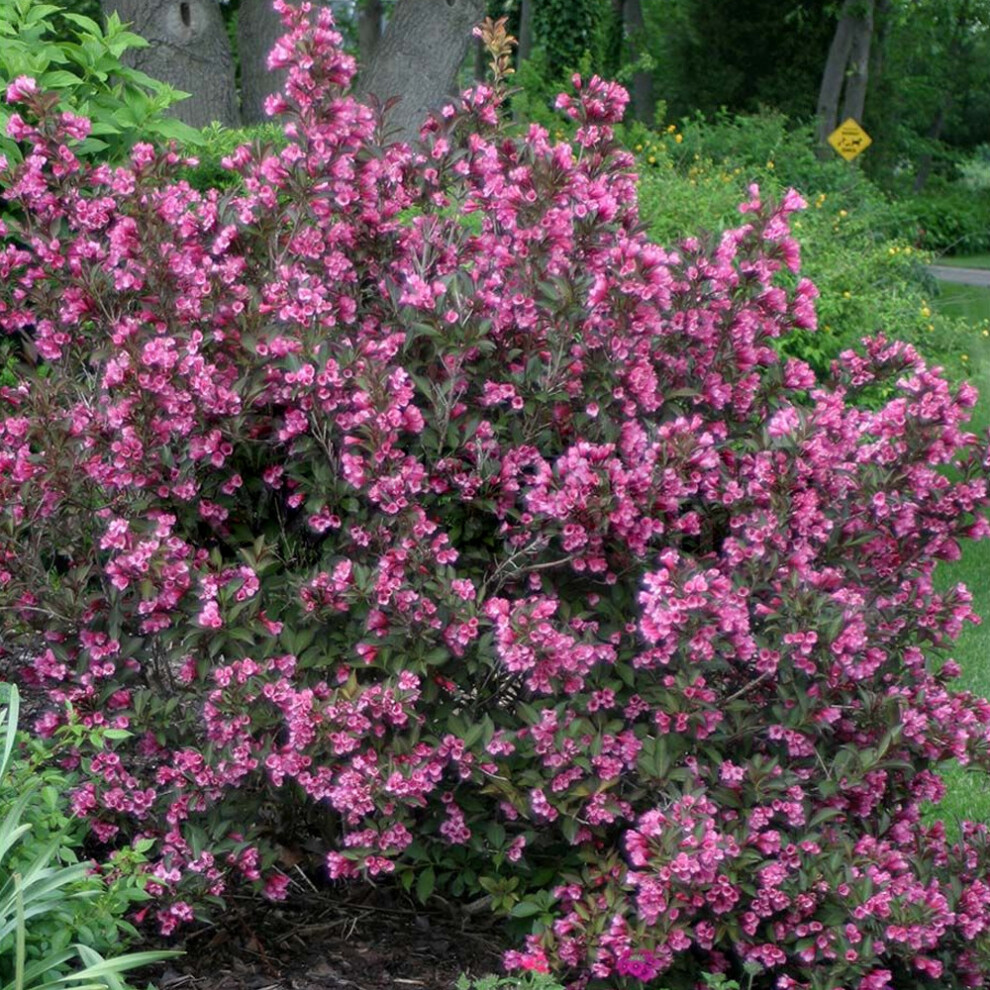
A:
{"x":849,"y":139}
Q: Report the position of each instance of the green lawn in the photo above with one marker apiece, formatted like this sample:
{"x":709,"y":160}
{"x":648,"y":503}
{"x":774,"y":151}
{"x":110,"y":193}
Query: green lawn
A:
{"x":969,"y":793}
{"x":966,"y":261}
{"x":970,"y":302}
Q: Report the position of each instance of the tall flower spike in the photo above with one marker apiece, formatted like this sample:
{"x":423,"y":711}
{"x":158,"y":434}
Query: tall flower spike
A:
{"x":499,"y":44}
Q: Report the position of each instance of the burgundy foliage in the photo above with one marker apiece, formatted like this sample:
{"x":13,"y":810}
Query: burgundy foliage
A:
{"x":414,"y":499}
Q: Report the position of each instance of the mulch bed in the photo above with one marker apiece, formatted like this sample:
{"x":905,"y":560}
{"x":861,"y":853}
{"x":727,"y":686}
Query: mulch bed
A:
{"x":351,"y":941}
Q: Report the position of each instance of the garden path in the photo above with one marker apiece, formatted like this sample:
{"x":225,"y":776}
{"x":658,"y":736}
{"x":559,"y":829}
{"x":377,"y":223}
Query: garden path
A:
{"x":965,"y":276}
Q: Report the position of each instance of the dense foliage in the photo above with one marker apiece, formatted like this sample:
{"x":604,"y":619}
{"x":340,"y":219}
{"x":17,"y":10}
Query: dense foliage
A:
{"x":950,"y":218}
{"x":416,"y":500}
{"x":740,"y":54}
{"x":81,"y":65}
{"x":567,"y":31}
{"x":58,"y":914}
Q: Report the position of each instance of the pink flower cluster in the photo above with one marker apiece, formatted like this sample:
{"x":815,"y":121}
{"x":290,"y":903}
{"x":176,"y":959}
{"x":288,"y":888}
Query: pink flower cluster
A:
{"x":416,"y":486}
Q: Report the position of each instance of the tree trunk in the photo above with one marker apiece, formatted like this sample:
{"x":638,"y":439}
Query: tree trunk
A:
{"x":369,"y":28}
{"x":258,"y":28}
{"x":188,"y":49}
{"x":958,"y":59}
{"x":418,"y":58}
{"x":634,"y":29}
{"x":834,"y":75}
{"x":525,"y":30}
{"x":878,"y":53}
{"x":927,"y":160}
{"x":858,"y":70}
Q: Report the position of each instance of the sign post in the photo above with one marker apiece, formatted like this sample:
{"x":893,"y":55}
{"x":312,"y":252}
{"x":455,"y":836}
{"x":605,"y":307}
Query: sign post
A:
{"x":849,"y":139}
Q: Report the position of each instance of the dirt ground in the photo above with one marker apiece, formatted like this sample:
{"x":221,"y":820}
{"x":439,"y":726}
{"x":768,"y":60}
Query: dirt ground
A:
{"x":324,"y":941}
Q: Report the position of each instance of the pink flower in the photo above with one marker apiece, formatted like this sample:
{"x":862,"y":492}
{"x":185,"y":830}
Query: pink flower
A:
{"x":21,"y":88}
{"x":209,"y":617}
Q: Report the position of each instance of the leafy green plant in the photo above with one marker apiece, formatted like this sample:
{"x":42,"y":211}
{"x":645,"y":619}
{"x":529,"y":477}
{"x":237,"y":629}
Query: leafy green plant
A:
{"x":974,"y":172}
{"x":214,"y":143}
{"x":80,"y":62}
{"x":41,"y":892}
{"x":950,"y":218}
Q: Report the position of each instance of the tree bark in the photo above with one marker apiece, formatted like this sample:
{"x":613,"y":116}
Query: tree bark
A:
{"x":369,"y":28}
{"x":258,"y":28}
{"x":188,"y":49}
{"x":858,"y":67}
{"x":418,"y":59}
{"x":846,"y":72}
{"x":934,"y":133}
{"x":525,"y":30}
{"x":878,"y":52}
{"x":634,"y":30}
{"x":833,"y":77}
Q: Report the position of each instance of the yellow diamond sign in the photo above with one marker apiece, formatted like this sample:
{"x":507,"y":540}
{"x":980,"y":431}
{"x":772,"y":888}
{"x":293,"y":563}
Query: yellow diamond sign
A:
{"x":849,"y":139}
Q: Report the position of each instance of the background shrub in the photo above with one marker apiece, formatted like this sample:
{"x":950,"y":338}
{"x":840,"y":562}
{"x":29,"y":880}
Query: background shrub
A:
{"x":950,"y":218}
{"x":857,"y":246}
{"x":205,"y":169}
{"x":79,"y":61}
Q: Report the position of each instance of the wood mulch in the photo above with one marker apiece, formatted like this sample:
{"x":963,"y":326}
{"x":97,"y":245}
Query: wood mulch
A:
{"x":325,"y":940}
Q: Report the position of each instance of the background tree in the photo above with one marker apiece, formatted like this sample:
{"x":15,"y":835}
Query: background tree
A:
{"x":188,"y":49}
{"x":636,"y":47}
{"x":418,"y":58}
{"x":740,"y":55}
{"x":370,"y":19}
{"x":929,"y":91}
{"x":525,"y":29}
{"x":847,"y":68}
{"x":258,"y":28}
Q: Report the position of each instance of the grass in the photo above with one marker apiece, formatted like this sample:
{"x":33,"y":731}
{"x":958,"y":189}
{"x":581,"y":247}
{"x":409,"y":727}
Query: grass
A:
{"x":966,"y":261}
{"x":970,"y":302}
{"x":969,"y":792}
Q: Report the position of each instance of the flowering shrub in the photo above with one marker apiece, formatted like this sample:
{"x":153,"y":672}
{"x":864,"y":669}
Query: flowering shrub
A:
{"x":415,"y":499}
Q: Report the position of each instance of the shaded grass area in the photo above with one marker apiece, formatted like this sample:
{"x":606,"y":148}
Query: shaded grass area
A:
{"x":969,"y":792}
{"x":968,"y":302}
{"x":966,"y":261}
